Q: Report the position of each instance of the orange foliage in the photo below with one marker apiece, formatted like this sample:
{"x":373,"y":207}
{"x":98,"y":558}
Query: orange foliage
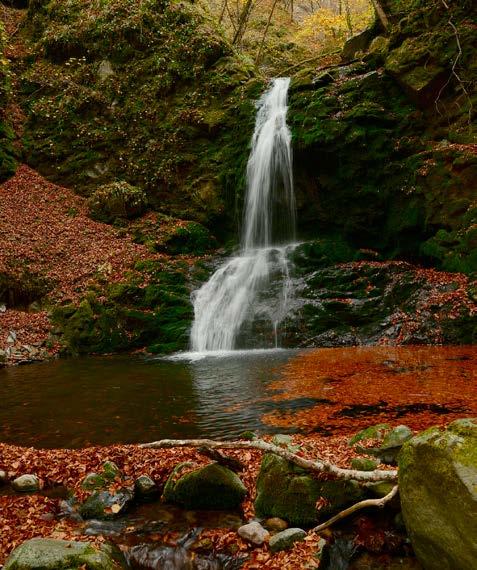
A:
{"x":361,"y":386}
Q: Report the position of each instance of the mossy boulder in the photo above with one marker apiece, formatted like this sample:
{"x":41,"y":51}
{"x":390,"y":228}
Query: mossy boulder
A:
{"x":438,"y":490}
{"x":286,"y":491}
{"x":49,"y":554}
{"x":211,"y":487}
{"x":372,"y":432}
{"x":93,"y":481}
{"x":105,"y":505}
{"x":117,"y":200}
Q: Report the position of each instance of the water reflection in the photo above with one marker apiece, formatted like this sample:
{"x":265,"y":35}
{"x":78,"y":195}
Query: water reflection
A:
{"x":74,"y":403}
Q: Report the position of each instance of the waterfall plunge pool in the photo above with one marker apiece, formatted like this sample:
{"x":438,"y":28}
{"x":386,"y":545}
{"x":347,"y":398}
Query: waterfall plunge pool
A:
{"x":124,"y":399}
{"x":106,"y":400}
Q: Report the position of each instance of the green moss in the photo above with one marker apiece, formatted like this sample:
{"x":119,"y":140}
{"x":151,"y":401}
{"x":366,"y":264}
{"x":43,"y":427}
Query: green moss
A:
{"x":7,"y":152}
{"x":286,"y":491}
{"x":210,"y":487}
{"x":124,"y":316}
{"x":172,"y":114}
{"x":117,"y":200}
{"x":50,"y":554}
{"x":373,"y":432}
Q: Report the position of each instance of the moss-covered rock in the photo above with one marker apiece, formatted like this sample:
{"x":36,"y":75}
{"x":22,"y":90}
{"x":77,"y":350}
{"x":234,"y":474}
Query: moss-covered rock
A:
{"x":210,"y":487}
{"x":49,"y":554}
{"x":117,"y":200}
{"x":438,"y":490}
{"x":376,"y":432}
{"x":286,"y":491}
{"x":7,"y":152}
{"x":106,"y":505}
{"x":383,"y":147}
{"x":149,"y":93}
{"x":124,"y":316}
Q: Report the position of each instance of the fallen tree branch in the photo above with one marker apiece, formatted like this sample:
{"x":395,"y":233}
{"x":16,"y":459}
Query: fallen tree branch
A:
{"x":357,"y":507}
{"x":318,"y":466}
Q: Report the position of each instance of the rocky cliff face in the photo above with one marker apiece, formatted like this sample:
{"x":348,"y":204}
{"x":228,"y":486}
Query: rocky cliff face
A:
{"x":145,"y":92}
{"x":385,"y":145}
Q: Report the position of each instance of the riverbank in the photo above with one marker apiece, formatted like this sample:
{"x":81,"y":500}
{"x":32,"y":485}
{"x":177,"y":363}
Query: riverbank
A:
{"x":29,"y":516}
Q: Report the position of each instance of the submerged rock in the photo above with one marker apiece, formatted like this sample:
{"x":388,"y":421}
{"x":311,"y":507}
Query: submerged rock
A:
{"x":285,"y":539}
{"x":49,"y":554}
{"x":285,"y":490}
{"x":26,"y":484}
{"x":209,"y":487}
{"x":438,"y":489}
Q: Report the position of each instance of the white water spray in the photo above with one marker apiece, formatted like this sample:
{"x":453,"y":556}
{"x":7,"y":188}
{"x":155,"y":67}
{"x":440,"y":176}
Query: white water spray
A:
{"x":232,"y":296}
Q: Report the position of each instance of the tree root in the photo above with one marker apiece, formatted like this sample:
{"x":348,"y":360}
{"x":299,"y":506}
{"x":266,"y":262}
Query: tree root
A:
{"x":358,"y":506}
{"x":318,"y":466}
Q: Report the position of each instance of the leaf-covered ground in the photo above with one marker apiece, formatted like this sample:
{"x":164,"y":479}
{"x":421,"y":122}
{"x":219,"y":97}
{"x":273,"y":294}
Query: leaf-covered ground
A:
{"x":49,"y":246}
{"x":25,"y":517}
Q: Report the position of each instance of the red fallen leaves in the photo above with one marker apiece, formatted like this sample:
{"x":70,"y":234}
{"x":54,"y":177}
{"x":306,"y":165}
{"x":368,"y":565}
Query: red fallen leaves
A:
{"x":45,"y":231}
{"x":418,"y":386}
{"x":23,"y":517}
{"x":48,"y":229}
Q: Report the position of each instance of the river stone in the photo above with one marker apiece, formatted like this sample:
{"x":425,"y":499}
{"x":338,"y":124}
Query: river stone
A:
{"x":145,"y":488}
{"x":396,"y":437}
{"x":92,"y":482}
{"x":438,"y":489}
{"x":364,"y":464}
{"x":105,"y":505}
{"x":211,"y":487}
{"x":285,"y":539}
{"x":111,"y":470}
{"x":282,"y":439}
{"x":287,"y":491}
{"x":50,"y":554}
{"x":254,"y":533}
{"x":26,"y":484}
{"x":275,"y":524}
{"x":3,"y":477}
{"x":372,"y":432}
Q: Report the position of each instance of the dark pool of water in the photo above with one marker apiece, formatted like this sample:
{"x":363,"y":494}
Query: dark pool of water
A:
{"x":78,"y":402}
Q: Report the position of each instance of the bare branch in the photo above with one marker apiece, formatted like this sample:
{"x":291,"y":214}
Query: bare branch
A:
{"x":358,"y":506}
{"x":318,"y":466}
{"x":453,"y":72}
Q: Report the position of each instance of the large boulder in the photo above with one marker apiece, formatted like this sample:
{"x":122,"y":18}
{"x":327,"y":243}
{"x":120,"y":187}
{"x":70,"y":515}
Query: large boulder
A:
{"x":49,"y":554}
{"x":210,"y":487}
{"x":285,"y":490}
{"x":438,"y":489}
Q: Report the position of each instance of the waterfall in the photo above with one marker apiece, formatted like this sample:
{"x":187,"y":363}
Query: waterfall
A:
{"x":232,"y":298}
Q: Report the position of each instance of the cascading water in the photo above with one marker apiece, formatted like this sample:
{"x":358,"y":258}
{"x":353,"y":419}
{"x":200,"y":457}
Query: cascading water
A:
{"x":233,"y":296}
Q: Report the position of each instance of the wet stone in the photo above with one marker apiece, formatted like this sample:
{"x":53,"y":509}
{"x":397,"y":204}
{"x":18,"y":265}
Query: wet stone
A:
{"x":254,"y":532}
{"x":285,"y":539}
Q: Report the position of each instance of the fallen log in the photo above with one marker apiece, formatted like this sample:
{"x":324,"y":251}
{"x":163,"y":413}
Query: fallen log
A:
{"x":318,"y":465}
